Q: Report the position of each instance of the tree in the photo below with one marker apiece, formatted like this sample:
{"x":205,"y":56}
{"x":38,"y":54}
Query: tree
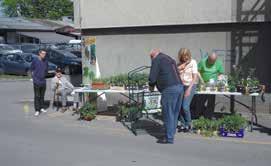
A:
{"x":49,"y":9}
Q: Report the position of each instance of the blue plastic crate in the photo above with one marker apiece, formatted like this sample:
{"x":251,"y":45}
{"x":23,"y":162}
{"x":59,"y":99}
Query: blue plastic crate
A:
{"x":237,"y":134}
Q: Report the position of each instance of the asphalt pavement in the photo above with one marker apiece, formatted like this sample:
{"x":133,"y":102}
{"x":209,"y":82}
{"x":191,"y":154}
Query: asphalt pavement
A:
{"x":59,"y":139}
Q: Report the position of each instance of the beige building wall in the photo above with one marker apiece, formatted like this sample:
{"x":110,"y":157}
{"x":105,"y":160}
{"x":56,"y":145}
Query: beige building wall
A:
{"x":130,"y":13}
{"x":127,"y":13}
{"x":122,"y":53}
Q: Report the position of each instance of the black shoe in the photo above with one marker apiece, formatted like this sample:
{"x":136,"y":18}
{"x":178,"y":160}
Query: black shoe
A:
{"x":187,"y":129}
{"x":181,"y":129}
{"x":164,"y":141}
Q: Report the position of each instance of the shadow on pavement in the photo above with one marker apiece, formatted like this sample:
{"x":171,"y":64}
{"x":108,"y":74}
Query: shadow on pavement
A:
{"x":262,"y":129}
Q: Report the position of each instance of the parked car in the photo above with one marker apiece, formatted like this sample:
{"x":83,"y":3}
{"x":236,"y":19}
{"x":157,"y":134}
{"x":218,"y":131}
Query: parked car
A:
{"x":28,"y":57}
{"x":20,"y":64}
{"x":67,"y":61}
{"x":27,"y":48}
{"x":5,"y":48}
{"x":13,"y":63}
{"x":74,"y":48}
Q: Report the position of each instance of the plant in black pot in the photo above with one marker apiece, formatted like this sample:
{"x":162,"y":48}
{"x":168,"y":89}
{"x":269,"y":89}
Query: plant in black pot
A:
{"x":232,"y":83}
{"x":236,"y":80}
{"x":88,"y":112}
{"x":241,"y":86}
{"x":253,"y":84}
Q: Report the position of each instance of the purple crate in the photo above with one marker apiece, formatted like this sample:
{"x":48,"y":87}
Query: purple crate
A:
{"x":237,"y":134}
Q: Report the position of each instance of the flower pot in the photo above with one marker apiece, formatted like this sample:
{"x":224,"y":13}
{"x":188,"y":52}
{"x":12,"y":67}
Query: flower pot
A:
{"x":241,"y":89}
{"x":237,"y":134}
{"x":88,"y":118}
{"x":221,"y":89}
{"x":99,"y":85}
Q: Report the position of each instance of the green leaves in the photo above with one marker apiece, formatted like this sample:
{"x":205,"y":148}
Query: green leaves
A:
{"x":88,"y":110}
{"x":206,"y":124}
{"x":129,"y":111}
{"x":49,"y":9}
{"x":231,"y":123}
{"x":122,"y":80}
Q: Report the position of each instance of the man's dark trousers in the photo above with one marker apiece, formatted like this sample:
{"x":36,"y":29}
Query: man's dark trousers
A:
{"x":171,"y":104}
{"x":208,"y":110}
{"x":39,"y":93}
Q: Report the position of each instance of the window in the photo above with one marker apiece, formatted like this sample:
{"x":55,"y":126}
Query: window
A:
{"x":10,"y":57}
{"x":28,"y":58}
{"x":18,"y":58}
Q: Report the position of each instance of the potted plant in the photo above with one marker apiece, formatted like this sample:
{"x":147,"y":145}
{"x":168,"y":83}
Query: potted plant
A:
{"x":99,"y":83}
{"x":253,"y":85}
{"x":122,"y":113}
{"x":241,"y":86}
{"x":221,"y":86}
{"x":236,"y":81}
{"x":233,"y":126}
{"x":205,"y":127}
{"x":118,"y":81}
{"x":134,"y":113}
{"x":128,"y":111}
{"x":88,"y":112}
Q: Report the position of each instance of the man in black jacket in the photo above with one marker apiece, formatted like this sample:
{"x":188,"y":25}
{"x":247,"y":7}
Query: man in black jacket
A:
{"x":164,"y":75}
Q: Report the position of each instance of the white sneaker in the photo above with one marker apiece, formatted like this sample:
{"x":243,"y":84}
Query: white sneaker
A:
{"x":43,"y":110}
{"x":37,"y":113}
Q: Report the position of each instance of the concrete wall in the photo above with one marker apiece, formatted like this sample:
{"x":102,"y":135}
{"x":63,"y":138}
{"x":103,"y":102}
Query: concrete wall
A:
{"x":130,"y":13}
{"x":122,"y":53}
{"x":123,"y":13}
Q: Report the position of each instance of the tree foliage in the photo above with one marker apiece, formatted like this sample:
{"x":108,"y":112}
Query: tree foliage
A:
{"x":49,"y":9}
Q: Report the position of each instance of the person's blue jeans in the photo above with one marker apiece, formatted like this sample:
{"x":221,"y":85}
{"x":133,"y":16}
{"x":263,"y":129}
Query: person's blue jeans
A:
{"x":171,"y":104}
{"x":185,"y":115}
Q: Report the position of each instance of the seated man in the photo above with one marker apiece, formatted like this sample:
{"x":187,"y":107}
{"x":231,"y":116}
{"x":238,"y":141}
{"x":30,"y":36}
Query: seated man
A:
{"x":62,"y":87}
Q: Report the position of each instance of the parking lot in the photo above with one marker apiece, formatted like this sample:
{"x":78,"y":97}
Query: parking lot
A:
{"x":16,"y":59}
